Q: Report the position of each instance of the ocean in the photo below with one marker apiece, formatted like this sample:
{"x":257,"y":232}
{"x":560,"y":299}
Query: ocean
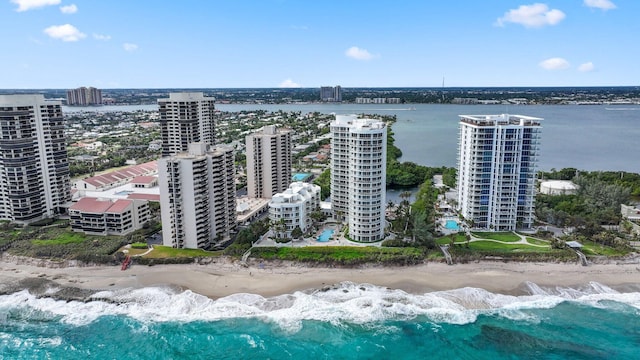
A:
{"x":364,"y":321}
{"x":346,"y":321}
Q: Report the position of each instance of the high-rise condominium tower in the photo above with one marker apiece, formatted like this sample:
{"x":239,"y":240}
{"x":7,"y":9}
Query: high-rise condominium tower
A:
{"x":197,"y":196}
{"x":84,"y":96}
{"x":358,"y":175}
{"x":34,"y":169}
{"x":331,"y":93}
{"x":186,"y":118}
{"x":497,"y":160}
{"x":269,"y":162}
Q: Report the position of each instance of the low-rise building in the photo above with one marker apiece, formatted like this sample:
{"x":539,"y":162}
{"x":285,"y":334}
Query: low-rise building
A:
{"x":97,"y":216}
{"x":295,"y":206}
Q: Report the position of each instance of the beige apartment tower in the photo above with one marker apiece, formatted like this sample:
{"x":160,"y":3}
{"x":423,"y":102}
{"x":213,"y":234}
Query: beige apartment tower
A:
{"x":269,"y":162}
{"x":197,"y":197}
{"x":34,"y":169}
{"x":185,"y":118}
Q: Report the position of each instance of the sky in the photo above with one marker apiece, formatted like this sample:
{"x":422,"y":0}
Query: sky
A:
{"x":59,"y":44}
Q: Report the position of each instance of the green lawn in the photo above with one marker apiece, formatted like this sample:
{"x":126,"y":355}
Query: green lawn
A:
{"x":62,"y":238}
{"x":498,"y":247}
{"x":535,"y":241}
{"x":591,"y":248}
{"x":500,"y":236}
{"x":161,"y":252}
{"x":446,"y":240}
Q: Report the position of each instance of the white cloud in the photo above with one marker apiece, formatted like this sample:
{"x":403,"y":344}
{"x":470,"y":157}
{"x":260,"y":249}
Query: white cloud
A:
{"x":289,"y":84}
{"x":66,"y":32}
{"x":69,"y":9}
{"x":24,"y":5}
{"x":586,"y":67}
{"x":355,"y":52}
{"x":554,"y":64}
{"x":600,"y":4}
{"x":532,"y":16}
{"x":102,"y":37}
{"x":130,"y":47}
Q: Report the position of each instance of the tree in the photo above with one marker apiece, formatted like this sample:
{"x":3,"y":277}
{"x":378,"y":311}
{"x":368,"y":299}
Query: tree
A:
{"x":296,"y":233}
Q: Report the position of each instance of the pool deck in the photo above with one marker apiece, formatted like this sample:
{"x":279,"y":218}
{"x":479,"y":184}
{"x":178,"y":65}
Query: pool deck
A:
{"x":337,"y":239}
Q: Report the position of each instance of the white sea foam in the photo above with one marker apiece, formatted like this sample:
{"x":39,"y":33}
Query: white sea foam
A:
{"x":344,"y":303}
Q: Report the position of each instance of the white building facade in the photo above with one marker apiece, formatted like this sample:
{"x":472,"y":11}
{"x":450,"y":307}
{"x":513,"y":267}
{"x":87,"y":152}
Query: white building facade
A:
{"x":497,"y":161}
{"x":358,"y":175}
{"x":186,"y":118}
{"x":197,"y":197}
{"x":295,"y":206}
{"x":34,"y":168}
{"x":269,"y":161}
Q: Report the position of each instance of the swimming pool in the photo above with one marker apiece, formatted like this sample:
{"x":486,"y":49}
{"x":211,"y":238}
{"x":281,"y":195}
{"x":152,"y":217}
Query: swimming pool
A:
{"x":300,"y":176}
{"x":325,"y":236}
{"x":451,"y":225}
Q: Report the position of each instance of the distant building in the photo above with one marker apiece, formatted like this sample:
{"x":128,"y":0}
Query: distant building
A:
{"x":358,"y":175}
{"x":84,"y":96}
{"x":118,"y":177}
{"x":186,"y":118}
{"x":34,"y":168}
{"x":295,"y":206}
{"x":269,"y":161}
{"x":497,"y":159}
{"x":558,"y":187}
{"x":108,"y":217}
{"x":331,"y":93}
{"x":197,"y":197}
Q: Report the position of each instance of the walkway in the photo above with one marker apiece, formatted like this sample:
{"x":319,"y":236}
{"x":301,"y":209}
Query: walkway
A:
{"x":523,"y":240}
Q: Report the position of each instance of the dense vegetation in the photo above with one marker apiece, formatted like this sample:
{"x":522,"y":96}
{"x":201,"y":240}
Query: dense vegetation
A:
{"x":596,"y":202}
{"x":342,"y":255}
{"x":324,"y":181}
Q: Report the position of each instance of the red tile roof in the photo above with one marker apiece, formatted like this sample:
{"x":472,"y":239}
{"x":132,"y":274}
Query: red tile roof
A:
{"x":119,"y":206}
{"x":123,"y":174}
{"x":139,"y":196}
{"x":143,"y":179}
{"x":91,"y":205}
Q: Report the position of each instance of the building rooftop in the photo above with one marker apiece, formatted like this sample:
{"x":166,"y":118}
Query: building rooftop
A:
{"x":502,"y":119}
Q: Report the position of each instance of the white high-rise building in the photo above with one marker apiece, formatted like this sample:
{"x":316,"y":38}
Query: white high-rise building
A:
{"x":358,"y":175}
{"x":197,"y":196}
{"x":34,"y":169}
{"x":186,"y":118}
{"x":295,"y":206}
{"x":269,"y":161}
{"x":497,"y":159}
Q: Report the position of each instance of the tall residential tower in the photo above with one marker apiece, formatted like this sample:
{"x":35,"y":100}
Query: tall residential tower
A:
{"x":358,"y":175}
{"x":34,"y":169}
{"x":269,"y":162}
{"x":186,"y":118}
{"x":197,"y":196}
{"x":497,"y":159}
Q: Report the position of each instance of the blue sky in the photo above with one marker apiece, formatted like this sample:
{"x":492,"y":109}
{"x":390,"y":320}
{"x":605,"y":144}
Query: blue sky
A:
{"x":307,"y":43}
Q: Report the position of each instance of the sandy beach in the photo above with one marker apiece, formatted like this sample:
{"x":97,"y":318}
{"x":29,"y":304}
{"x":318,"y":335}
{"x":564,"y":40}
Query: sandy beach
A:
{"x":224,"y":277}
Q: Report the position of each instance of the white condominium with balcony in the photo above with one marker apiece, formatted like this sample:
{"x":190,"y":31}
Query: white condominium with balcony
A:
{"x":358,"y":175}
{"x":497,"y":159}
{"x":197,"y":196}
{"x":186,"y":118}
{"x":269,"y":161}
{"x":34,"y":169}
{"x":295,"y":206}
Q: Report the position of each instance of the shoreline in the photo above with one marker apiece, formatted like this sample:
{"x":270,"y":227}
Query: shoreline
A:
{"x":223,"y":277}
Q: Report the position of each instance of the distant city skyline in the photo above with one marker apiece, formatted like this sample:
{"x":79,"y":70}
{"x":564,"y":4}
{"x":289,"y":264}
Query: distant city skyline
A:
{"x":293,"y":43}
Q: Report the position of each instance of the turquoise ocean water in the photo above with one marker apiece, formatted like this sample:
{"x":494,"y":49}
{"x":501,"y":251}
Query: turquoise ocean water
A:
{"x":346,"y":321}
